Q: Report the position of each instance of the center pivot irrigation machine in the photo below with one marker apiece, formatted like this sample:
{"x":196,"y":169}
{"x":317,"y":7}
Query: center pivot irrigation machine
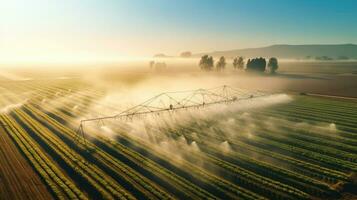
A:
{"x":179,"y":100}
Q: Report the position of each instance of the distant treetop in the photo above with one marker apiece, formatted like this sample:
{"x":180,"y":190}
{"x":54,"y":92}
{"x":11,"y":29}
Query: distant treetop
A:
{"x":221,"y":64}
{"x":273,"y":65}
{"x":238,"y":62}
{"x":206,"y":63}
{"x":256,"y":65}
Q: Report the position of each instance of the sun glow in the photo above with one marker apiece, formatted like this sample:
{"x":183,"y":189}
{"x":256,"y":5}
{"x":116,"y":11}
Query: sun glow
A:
{"x":84,"y":58}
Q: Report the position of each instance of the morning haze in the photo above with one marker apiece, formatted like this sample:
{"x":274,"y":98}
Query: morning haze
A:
{"x":158,"y":99}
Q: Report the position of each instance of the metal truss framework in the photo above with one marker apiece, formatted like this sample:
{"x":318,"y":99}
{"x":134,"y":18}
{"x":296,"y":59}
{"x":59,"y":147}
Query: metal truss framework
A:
{"x":179,"y":100}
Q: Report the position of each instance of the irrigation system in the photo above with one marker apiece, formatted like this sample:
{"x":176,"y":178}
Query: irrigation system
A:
{"x":174,"y":101}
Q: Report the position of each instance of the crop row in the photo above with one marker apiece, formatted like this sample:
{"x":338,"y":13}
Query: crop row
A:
{"x":344,"y":121}
{"x":291,"y":178}
{"x":298,"y":165}
{"x":259,"y":179}
{"x":316,"y":118}
{"x":338,"y":135}
{"x":23,"y":115}
{"x":117,"y":166}
{"x":251,"y":174}
{"x":230,"y":187}
{"x":60,"y":185}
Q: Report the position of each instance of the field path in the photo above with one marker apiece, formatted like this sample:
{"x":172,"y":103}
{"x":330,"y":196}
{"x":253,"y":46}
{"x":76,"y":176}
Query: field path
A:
{"x":23,"y":183}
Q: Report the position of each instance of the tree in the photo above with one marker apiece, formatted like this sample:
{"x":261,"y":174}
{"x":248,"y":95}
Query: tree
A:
{"x":235,"y":63}
{"x":186,"y":54}
{"x":221,"y":64}
{"x":256,"y":65}
{"x":210,"y":63}
{"x":238,"y":62}
{"x":206,"y":63}
{"x":273,"y":65}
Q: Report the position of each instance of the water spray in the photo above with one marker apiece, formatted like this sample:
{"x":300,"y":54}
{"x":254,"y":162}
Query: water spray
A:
{"x":170,"y":102}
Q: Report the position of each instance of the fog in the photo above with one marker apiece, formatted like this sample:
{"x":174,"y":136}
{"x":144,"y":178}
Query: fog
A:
{"x":184,"y":135}
{"x":9,"y":107}
{"x":178,"y":134}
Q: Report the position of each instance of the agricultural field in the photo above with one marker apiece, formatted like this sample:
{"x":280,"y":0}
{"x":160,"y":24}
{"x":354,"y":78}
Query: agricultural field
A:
{"x":285,"y":146}
{"x":186,"y":100}
{"x":22,"y":183}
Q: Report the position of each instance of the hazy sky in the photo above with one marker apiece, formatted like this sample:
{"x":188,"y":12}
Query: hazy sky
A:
{"x":72,"y":29}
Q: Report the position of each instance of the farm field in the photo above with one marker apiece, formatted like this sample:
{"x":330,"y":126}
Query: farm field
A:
{"x":17,"y":178}
{"x":186,"y":100}
{"x":302,"y":148}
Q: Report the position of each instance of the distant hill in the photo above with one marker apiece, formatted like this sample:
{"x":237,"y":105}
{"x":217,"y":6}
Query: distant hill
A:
{"x":336,"y":51}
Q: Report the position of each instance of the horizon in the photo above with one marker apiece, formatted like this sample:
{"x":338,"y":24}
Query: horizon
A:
{"x":112,"y":59}
{"x":312,"y":44}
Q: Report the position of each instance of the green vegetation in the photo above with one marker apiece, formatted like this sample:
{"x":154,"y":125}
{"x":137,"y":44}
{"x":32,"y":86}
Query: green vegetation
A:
{"x":238,"y":63}
{"x":302,"y":149}
{"x":221,"y":63}
{"x":206,"y":63}
{"x":253,"y":65}
{"x":273,"y":65}
{"x":256,"y":65}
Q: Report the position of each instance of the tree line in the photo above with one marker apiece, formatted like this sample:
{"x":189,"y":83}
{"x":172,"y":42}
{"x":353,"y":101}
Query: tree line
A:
{"x":253,"y":65}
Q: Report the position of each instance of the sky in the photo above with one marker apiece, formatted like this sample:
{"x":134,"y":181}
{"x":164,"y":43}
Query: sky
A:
{"x":35,"y":30}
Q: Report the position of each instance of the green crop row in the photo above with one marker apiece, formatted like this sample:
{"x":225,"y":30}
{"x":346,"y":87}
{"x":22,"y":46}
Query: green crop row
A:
{"x":292,"y":178}
{"x":319,"y":171}
{"x":219,"y":181}
{"x":279,"y":136}
{"x":53,"y":177}
{"x":131,"y":175}
{"x":308,"y":118}
{"x":346,"y":121}
{"x":93,"y":175}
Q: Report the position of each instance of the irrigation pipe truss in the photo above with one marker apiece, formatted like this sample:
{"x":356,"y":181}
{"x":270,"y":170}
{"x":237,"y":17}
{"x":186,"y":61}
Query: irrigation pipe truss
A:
{"x":178,"y":100}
